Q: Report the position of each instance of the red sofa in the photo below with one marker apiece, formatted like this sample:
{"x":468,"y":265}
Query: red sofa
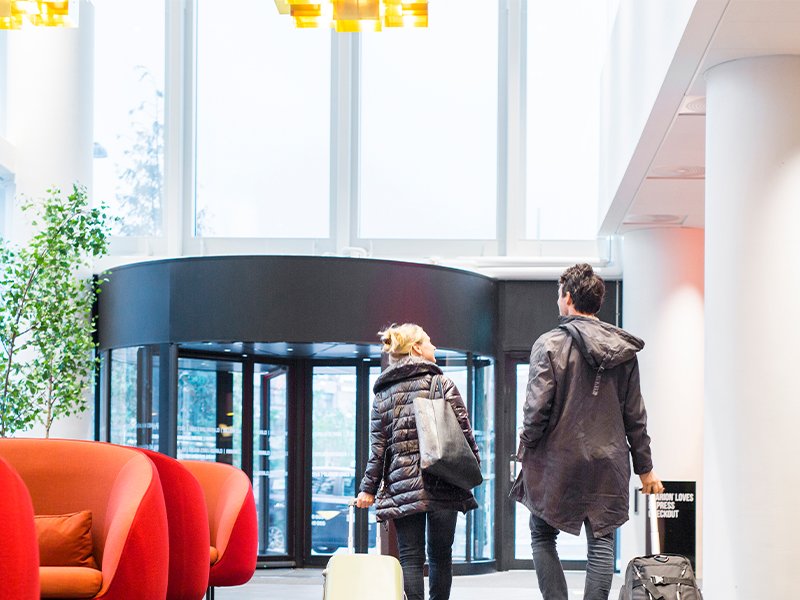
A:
{"x":121,"y":488}
{"x":233,"y":523}
{"x":19,"y":552}
{"x":189,"y":536}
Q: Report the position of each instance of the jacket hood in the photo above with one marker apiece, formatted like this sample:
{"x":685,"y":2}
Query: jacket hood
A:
{"x":603,"y":345}
{"x":405,"y":368}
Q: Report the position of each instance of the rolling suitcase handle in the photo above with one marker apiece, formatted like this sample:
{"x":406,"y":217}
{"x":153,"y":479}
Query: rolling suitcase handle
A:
{"x":652,"y":524}
{"x":351,"y":529}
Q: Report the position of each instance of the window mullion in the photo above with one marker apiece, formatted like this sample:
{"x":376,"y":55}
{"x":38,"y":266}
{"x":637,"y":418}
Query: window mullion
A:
{"x":174,"y":195}
{"x":514,"y":47}
{"x":345,"y":57}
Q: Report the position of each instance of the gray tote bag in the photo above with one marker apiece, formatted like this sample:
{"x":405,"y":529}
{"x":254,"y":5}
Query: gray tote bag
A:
{"x":443,"y":448}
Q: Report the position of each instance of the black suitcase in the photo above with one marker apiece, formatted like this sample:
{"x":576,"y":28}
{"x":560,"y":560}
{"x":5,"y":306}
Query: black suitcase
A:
{"x":660,"y":577}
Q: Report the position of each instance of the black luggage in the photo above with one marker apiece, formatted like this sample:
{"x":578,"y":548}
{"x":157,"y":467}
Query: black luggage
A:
{"x":660,"y":577}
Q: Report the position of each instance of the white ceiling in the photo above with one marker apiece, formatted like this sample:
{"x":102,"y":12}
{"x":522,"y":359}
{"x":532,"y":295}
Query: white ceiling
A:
{"x":664,"y":183}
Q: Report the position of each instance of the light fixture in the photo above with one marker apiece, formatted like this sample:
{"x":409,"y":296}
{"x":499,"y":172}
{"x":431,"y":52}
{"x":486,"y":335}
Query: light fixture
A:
{"x":355,"y":15}
{"x":18,"y":14}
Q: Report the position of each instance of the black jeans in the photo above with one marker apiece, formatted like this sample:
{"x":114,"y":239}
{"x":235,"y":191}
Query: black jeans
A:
{"x":411,"y":543}
{"x":552,"y":583}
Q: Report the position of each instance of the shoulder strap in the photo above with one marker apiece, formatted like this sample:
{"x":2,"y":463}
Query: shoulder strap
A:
{"x":436,"y":383}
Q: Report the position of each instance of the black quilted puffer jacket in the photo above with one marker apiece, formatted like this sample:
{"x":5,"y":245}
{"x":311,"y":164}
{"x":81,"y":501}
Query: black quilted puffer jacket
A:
{"x":394,"y":450}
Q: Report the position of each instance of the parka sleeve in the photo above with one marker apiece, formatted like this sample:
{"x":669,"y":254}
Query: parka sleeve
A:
{"x":634,"y":417}
{"x":453,"y":396}
{"x":539,"y":398}
{"x":377,"y":451}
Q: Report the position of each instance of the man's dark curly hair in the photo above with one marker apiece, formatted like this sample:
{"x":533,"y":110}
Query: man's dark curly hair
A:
{"x":585,"y":288}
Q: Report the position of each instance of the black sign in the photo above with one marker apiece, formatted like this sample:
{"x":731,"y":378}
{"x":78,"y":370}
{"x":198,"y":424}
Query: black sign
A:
{"x":675,"y":514}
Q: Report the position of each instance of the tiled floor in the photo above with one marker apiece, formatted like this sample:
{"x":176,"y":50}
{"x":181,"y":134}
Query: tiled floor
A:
{"x":306,"y":584}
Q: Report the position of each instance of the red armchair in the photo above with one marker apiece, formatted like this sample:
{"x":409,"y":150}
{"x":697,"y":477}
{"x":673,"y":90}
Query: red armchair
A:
{"x":187,"y":520}
{"x":233,"y":523}
{"x":121,"y":488}
{"x":19,"y":551}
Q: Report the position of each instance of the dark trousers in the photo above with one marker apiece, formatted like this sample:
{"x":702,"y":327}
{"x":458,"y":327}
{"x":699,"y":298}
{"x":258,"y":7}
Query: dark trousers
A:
{"x":441,"y":526}
{"x":552,"y":583}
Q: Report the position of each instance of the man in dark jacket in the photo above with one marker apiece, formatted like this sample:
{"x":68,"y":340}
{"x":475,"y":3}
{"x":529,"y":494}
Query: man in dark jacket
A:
{"x":583,"y":416}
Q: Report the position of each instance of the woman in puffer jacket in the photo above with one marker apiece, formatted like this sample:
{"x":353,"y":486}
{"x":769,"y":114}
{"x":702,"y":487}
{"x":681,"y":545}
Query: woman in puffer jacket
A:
{"x":404,"y":494}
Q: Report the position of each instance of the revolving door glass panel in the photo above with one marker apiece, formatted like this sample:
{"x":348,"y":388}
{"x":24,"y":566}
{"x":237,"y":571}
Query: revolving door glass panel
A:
{"x":333,"y":455}
{"x":473,"y":376}
{"x":134,"y":397}
{"x":210,"y":410}
{"x":270,"y":458}
{"x":482,"y":416}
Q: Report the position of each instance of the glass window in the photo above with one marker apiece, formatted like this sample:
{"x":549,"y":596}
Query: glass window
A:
{"x":482,"y":417}
{"x":263,"y":124}
{"x":134,"y":397}
{"x":5,"y":203}
{"x":123,"y":396}
{"x":129,"y":113}
{"x":3,"y":83}
{"x":374,"y":373}
{"x":210,"y":411}
{"x":429,"y":127}
{"x":270,"y":454}
{"x":333,"y":442}
{"x":456,"y":370}
{"x":563,"y":116}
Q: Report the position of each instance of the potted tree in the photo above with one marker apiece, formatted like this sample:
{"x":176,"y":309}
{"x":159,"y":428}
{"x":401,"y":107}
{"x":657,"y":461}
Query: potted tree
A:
{"x":46,"y":322}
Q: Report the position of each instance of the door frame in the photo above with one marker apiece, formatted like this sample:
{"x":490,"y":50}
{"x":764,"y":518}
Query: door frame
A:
{"x":361,"y":451}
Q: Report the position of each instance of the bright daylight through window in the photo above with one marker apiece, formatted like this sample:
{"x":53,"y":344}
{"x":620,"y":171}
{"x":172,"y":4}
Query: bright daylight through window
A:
{"x":129,"y":114}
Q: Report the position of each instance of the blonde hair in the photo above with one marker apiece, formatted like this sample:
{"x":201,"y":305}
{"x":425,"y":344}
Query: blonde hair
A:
{"x":398,"y":340}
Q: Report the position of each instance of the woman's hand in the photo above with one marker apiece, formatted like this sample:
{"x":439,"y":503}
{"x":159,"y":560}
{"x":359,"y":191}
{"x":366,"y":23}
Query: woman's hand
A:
{"x":365,"y":500}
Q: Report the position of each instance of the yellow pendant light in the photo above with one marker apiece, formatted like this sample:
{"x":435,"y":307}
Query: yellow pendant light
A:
{"x":355,"y":15}
{"x":18,"y":14}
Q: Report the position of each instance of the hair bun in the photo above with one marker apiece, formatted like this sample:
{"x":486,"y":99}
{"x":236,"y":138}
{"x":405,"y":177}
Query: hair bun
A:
{"x":398,"y":340}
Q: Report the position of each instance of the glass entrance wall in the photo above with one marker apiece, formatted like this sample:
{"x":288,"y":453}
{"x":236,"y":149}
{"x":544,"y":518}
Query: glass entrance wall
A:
{"x":474,"y":378}
{"x":134,"y":397}
{"x":456,"y":370}
{"x":333,"y":456}
{"x":210,"y":410}
{"x":244,"y":408}
{"x":270,"y":457}
{"x":483,"y":424}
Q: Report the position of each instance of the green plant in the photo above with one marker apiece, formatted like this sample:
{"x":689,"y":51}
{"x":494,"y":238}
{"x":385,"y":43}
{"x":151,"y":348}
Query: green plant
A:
{"x":46,"y":325}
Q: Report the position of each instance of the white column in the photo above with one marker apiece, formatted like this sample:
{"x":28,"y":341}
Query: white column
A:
{"x":662,"y":302}
{"x":752,"y":287}
{"x":50,"y":75}
{"x":50,"y":114}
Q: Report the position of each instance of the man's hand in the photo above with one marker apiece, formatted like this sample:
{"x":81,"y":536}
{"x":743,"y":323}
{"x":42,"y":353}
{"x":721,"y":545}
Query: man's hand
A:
{"x":365,"y":500}
{"x":651,"y":484}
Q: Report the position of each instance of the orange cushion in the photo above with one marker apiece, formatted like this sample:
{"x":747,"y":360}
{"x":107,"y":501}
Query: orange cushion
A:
{"x":214,"y":555}
{"x":70,"y":582}
{"x":65,"y":540}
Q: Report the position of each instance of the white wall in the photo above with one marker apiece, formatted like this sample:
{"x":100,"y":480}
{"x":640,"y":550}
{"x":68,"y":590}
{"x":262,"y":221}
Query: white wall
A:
{"x":662,"y":303}
{"x":642,"y":46}
{"x":49,"y":132}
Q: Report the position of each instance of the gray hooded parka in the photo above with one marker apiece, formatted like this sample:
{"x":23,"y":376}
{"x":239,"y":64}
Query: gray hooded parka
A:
{"x":583,"y":417}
